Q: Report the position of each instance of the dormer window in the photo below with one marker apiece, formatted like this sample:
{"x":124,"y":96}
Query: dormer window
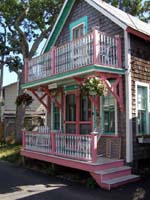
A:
{"x":78,"y":31}
{"x":78,"y":28}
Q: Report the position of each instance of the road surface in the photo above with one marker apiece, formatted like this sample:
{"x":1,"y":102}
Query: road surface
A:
{"x":19,"y":183}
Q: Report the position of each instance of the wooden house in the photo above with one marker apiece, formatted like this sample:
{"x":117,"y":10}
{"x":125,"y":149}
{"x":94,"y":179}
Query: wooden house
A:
{"x":33,"y":112}
{"x":97,"y":133}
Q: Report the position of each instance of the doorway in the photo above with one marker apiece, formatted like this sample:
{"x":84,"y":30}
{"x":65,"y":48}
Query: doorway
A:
{"x":77,"y":114}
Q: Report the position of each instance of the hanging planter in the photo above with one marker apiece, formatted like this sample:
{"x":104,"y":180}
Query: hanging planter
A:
{"x":24,"y":99}
{"x":93,"y":85}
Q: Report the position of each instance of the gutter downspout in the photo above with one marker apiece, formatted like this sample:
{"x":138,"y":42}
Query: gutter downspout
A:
{"x":128,"y":83}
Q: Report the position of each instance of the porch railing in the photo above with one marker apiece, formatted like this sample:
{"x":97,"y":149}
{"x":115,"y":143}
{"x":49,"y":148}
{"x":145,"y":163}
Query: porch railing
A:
{"x":95,"y":48}
{"x":81,"y":147}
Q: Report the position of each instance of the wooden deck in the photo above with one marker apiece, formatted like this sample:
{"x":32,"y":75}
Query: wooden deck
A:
{"x":108,"y":173}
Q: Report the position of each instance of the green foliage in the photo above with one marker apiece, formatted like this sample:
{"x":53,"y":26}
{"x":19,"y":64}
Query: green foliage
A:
{"x":90,"y":183}
{"x":25,"y":23}
{"x":93,"y":85}
{"x":133,"y":7}
{"x":10,"y":153}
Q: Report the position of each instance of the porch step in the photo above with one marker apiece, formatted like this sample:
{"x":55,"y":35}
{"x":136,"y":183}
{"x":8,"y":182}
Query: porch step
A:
{"x":113,"y":183}
{"x":114,"y":176}
{"x":114,"y":172}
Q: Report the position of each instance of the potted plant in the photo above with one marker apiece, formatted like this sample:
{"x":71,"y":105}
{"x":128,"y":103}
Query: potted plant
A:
{"x":24,"y":99}
{"x":143,"y":139}
{"x":93,"y":85}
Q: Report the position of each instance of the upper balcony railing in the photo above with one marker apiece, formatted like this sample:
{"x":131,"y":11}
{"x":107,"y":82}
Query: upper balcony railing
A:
{"x":95,"y":48}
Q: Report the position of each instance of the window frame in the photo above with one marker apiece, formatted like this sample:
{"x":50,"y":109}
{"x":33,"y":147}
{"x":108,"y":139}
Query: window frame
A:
{"x":82,"y":21}
{"x":52,"y":117}
{"x":78,"y":123}
{"x":145,"y":85}
{"x":102,"y":117}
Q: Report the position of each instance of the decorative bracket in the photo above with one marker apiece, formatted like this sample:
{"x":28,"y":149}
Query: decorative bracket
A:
{"x":116,"y":88}
{"x":53,"y":96}
{"x":39,"y":98}
{"x":93,"y":100}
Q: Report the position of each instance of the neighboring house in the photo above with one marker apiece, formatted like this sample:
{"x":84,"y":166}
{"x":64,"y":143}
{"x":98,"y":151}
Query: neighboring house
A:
{"x":93,"y":133}
{"x":33,"y":111}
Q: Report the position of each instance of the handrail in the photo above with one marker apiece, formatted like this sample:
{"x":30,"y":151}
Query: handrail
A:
{"x":80,"y":147}
{"x":93,"y":48}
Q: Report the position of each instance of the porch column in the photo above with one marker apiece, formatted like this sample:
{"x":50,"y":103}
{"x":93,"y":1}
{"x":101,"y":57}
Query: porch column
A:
{"x":94,"y":145}
{"x":96,"y":47}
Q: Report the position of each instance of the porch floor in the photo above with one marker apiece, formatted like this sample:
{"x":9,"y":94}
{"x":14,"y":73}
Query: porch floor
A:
{"x":56,"y":158}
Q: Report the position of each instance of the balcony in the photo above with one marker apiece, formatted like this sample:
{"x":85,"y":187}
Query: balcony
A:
{"x":95,"y":48}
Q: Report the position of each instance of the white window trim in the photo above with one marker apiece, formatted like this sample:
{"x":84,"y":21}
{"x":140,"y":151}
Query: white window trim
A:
{"x":116,"y":117}
{"x":82,"y":23}
{"x":138,"y":83}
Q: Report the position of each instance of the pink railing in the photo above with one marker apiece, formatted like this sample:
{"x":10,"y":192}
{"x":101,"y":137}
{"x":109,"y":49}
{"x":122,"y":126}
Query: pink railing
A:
{"x":39,"y":67}
{"x":95,"y":48}
{"x":81,"y":147}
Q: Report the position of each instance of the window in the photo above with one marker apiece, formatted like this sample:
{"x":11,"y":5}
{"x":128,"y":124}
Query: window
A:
{"x":55,"y":117}
{"x":109,"y":116}
{"x":85,"y":108}
{"x":78,"y":114}
{"x":78,"y":28}
{"x":78,"y":31}
{"x":85,"y":115}
{"x":70,"y":107}
{"x":142,"y":101}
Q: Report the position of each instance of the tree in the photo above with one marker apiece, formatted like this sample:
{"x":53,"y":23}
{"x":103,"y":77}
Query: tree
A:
{"x":133,"y":7}
{"x":3,"y":52}
{"x":27,"y":23}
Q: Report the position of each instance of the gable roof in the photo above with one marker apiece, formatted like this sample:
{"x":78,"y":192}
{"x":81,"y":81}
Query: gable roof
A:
{"x":123,"y":19}
{"x":126,"y":21}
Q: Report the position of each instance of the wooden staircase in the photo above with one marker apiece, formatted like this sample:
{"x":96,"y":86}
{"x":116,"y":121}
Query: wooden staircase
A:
{"x":113,"y":175}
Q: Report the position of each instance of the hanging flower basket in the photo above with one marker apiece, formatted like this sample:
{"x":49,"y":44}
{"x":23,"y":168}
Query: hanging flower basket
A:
{"x":24,"y":99}
{"x":94,"y":86}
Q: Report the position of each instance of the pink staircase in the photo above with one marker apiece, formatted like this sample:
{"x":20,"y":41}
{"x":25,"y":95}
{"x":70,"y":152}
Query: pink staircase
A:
{"x":109,"y":177}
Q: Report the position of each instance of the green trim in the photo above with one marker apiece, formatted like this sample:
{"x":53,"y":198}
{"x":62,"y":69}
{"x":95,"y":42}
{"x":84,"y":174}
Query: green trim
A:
{"x":69,"y":74}
{"x":59,"y":25}
{"x":70,"y":88}
{"x":56,"y":115}
{"x":82,"y":20}
{"x":103,"y":115}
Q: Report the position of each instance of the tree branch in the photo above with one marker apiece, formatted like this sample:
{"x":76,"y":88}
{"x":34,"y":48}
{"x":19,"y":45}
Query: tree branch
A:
{"x":24,"y":44}
{"x":38,"y":41}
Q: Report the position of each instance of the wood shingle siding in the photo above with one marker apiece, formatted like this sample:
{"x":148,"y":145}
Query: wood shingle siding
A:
{"x":140,"y":71}
{"x":95,"y":18}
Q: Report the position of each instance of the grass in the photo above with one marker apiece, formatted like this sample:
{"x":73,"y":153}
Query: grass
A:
{"x":10,"y":153}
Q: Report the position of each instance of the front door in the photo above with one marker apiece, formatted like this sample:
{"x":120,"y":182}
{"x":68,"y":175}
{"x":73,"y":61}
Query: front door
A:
{"x":78,"y":114}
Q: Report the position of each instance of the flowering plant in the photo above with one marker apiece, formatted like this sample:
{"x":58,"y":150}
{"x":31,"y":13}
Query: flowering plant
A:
{"x":24,"y":98}
{"x":94,"y":86}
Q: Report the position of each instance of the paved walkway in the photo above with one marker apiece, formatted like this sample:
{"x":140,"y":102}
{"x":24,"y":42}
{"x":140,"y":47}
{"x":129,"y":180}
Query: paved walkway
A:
{"x":18,"y":183}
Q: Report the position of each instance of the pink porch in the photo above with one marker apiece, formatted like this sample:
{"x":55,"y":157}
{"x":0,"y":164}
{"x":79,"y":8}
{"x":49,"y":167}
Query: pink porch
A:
{"x":76,"y":151}
{"x":95,"y":48}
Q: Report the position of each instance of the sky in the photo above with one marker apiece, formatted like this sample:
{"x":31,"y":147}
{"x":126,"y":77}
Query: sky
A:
{"x":11,"y":77}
